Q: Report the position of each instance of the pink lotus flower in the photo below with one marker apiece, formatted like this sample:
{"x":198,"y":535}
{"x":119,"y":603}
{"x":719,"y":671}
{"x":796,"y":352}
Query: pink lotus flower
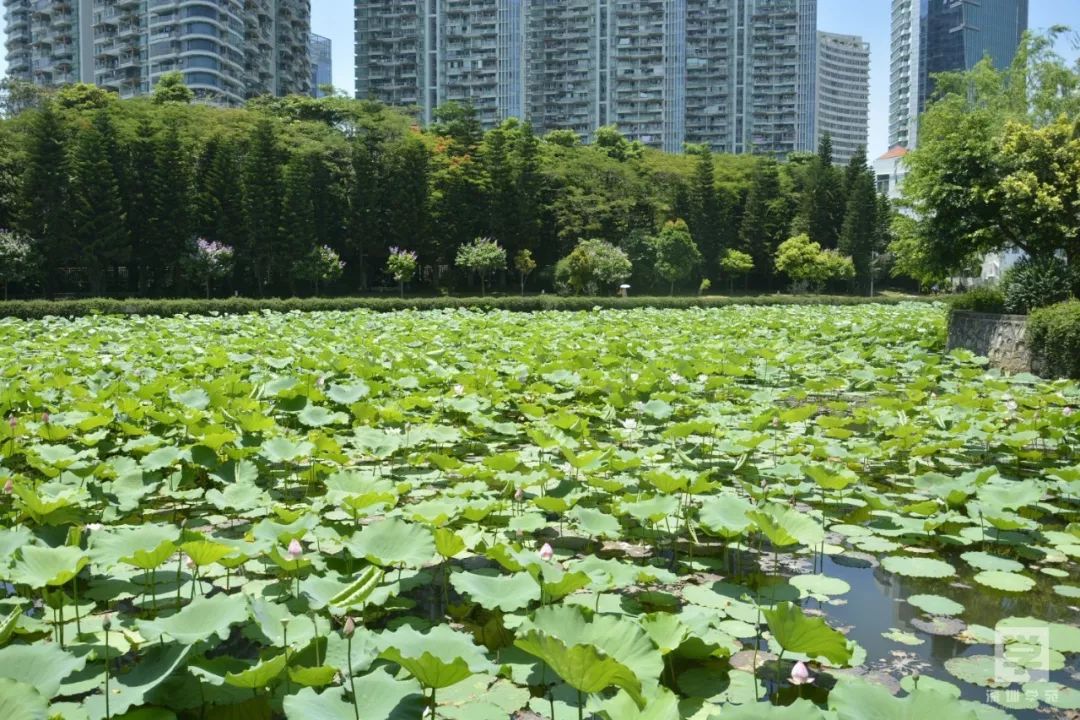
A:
{"x":295,"y":549}
{"x":519,"y":495}
{"x":9,"y":487}
{"x":350,"y":627}
{"x":12,"y":421}
{"x":546,"y":552}
{"x":800,"y":674}
{"x":1067,"y":412}
{"x":45,"y":418}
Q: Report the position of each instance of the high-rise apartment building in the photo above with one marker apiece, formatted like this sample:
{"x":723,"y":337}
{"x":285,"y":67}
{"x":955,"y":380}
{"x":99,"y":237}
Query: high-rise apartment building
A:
{"x":227,"y":50}
{"x":738,"y":75}
{"x":842,"y":91}
{"x":320,"y":52}
{"x":935,"y":36}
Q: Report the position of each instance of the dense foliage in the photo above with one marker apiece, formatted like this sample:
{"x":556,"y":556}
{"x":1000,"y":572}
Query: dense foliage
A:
{"x":114,"y":194}
{"x":997,"y":167}
{"x":1054,"y":336}
{"x":615,"y":515}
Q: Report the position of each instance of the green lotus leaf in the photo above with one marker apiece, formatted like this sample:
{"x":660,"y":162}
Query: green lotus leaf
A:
{"x":1068,"y":591}
{"x":661,"y":705}
{"x":281,"y":450}
{"x":786,"y":526}
{"x":313,"y":676}
{"x":161,"y":458}
{"x":160,"y":663}
{"x":205,"y":552}
{"x":986,"y":561}
{"x":582,"y":667}
{"x":985,"y":671}
{"x":917,"y":566}
{"x":829,"y":480}
{"x":259,"y":675}
{"x":925,"y":682}
{"x":795,"y":632}
{"x":382,"y":697}
{"x":936,"y":604}
{"x":202,"y":619}
{"x":9,"y":623}
{"x":595,"y":523}
{"x":482,"y":697}
{"x":196,"y":398}
{"x":904,"y":638}
{"x":315,"y":416}
{"x":494,"y":591}
{"x":1054,"y":694}
{"x":393,"y":542}
{"x":41,"y":567}
{"x":854,"y":699}
{"x":1005,"y":581}
{"x":348,"y":394}
{"x":448,"y":543}
{"x":114,"y":545}
{"x":20,"y":701}
{"x":798,"y":710}
{"x":436,"y":659}
{"x":820,"y":585}
{"x":41,"y":666}
{"x":725,"y":515}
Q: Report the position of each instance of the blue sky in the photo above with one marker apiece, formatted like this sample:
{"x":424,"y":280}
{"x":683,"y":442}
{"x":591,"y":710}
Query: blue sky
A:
{"x":869,"y":18}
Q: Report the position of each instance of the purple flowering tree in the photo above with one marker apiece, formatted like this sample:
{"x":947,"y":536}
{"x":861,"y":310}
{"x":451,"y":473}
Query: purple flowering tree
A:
{"x":211,"y":261}
{"x":402,"y":266}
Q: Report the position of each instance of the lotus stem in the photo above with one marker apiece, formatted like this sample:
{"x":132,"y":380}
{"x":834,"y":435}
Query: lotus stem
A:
{"x":352,"y":681}
{"x":580,"y":706}
{"x":75,"y":592}
{"x":105,"y":626}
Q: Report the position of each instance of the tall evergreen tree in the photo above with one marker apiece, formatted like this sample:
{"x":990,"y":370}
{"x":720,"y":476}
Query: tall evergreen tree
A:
{"x":861,"y":230}
{"x":765,"y":220}
{"x":263,"y":193}
{"x":141,"y":203}
{"x":706,"y":216}
{"x":43,"y":199}
{"x":821,"y":211}
{"x":96,"y":211}
{"x":171,"y":190}
{"x":297,"y":221}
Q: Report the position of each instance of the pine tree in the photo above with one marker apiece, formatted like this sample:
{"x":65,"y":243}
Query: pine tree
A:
{"x":262,"y":203}
{"x":861,"y":230}
{"x":297,"y":222}
{"x":821,"y":211}
{"x":142,"y":222}
{"x":765,"y":220}
{"x":96,"y":211}
{"x":172,"y":209}
{"x":43,"y":212}
{"x":706,"y":218}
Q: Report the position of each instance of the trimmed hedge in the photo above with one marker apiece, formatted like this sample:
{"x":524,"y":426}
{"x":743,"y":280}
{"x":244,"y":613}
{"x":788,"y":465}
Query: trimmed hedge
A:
{"x":1053,"y":333}
{"x":32,"y":309}
{"x":981,"y":299}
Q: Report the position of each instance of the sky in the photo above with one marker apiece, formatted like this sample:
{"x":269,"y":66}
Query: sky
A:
{"x":868,"y":18}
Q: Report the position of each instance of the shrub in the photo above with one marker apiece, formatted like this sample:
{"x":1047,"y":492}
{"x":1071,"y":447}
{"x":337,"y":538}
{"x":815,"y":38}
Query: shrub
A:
{"x":985,"y":299}
{"x":32,"y":309}
{"x":482,"y":256}
{"x":1053,"y":334}
{"x":592,"y":266}
{"x":1034,"y":283}
{"x":810,"y":266}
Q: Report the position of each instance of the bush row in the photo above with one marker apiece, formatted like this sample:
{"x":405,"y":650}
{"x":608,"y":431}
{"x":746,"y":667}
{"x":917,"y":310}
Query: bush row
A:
{"x":987,"y":299}
{"x":30,"y":309}
{"x":1053,"y":334}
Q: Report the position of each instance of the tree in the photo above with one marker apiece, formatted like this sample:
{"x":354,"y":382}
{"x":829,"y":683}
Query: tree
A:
{"x":524,"y":264}
{"x":219,"y":214}
{"x":861,"y":231}
{"x":591,"y":265}
{"x":263,"y":193}
{"x":482,"y":256}
{"x":170,"y":88}
{"x":766,"y":218}
{"x":322,"y":265}
{"x":210,"y":261}
{"x":297,"y":219}
{"x":96,"y":212}
{"x":16,"y":258}
{"x":43,"y":208}
{"x":996,"y":164}
{"x":676,"y":253}
{"x":735,"y":263}
{"x":706,"y":214}
{"x":821,"y":210}
{"x":807,"y":264}
{"x":402,"y":266}
{"x":172,"y":231}
{"x":608,"y":140}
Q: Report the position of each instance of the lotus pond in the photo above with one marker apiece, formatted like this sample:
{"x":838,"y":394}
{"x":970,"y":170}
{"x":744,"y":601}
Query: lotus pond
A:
{"x":797,"y":512}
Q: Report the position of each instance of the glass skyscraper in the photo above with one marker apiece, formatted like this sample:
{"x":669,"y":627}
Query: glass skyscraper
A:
{"x":935,"y":36}
{"x":322,"y":64}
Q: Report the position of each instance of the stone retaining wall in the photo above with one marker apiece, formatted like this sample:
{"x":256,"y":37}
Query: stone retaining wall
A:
{"x":1000,"y":338}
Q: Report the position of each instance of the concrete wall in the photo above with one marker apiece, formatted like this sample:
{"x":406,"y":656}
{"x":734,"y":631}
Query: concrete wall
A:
{"x":1000,"y":338}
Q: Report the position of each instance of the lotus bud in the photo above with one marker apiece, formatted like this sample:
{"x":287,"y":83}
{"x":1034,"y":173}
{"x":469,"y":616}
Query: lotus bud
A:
{"x":459,"y":389}
{"x":45,"y":418}
{"x":106,"y":623}
{"x":9,"y":487}
{"x":189,"y":563}
{"x":12,"y":421}
{"x":350,"y":627}
{"x":546,"y":552}
{"x":800,"y":674}
{"x":295,"y":549}
{"x":1067,"y":412}
{"x":519,"y":495}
